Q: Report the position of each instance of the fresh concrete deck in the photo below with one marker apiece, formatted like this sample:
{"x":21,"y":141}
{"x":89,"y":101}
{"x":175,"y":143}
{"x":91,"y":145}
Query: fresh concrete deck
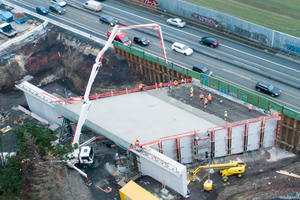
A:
{"x":138,"y":115}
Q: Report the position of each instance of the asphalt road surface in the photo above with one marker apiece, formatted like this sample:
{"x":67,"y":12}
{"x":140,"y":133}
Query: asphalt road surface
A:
{"x":259,"y":60}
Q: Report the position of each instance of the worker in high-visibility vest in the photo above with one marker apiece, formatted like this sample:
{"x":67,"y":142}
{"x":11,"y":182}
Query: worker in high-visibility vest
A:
{"x":201,"y":96}
{"x":160,"y":84}
{"x":192,"y":90}
{"x":182,"y":82}
{"x":137,"y":142}
{"x":209,"y":98}
{"x":141,"y":87}
{"x":250,"y":107}
{"x":175,"y":83}
{"x":225,"y":115}
{"x":191,"y":96}
{"x":205,"y":102}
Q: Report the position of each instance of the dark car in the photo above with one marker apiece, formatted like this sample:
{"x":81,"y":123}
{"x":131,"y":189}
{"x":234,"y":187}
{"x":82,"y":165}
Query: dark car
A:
{"x":108,"y":20}
{"x":141,"y":40}
{"x":202,"y":70}
{"x":42,"y":10}
{"x":57,"y":9}
{"x":267,"y":88}
{"x":212,"y":42}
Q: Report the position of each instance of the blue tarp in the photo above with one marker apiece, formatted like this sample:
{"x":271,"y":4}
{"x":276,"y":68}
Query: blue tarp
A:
{"x":6,"y":16}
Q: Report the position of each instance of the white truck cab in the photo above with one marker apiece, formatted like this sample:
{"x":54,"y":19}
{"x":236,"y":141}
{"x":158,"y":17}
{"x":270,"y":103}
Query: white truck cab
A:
{"x":86,"y":156}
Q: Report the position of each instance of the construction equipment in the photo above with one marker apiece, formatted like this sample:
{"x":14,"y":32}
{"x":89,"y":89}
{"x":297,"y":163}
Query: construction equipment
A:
{"x":227,"y":169}
{"x":84,"y":155}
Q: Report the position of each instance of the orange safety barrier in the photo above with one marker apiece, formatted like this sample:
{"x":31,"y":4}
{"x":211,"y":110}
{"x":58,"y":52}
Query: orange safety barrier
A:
{"x":73,"y":100}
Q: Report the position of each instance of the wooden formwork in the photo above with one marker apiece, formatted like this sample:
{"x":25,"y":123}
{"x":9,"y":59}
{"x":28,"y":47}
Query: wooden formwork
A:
{"x":289,"y":134}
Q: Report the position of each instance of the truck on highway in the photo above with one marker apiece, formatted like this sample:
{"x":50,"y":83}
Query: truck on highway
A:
{"x":8,"y":30}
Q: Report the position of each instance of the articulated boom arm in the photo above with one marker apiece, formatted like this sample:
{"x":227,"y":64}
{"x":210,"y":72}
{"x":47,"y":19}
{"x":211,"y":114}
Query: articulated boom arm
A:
{"x":98,"y":62}
{"x":219,"y":166}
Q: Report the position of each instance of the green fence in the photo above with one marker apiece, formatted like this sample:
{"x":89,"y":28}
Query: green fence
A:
{"x":215,"y":83}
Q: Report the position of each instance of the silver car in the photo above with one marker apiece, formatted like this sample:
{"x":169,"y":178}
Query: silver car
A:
{"x":176,"y":22}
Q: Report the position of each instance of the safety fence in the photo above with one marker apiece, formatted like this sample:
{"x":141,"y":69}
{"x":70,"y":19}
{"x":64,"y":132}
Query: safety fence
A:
{"x":215,"y":83}
{"x":73,"y":100}
{"x":223,"y":140}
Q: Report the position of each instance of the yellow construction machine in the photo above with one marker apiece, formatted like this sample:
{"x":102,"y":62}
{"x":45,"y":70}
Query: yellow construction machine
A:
{"x":227,"y":169}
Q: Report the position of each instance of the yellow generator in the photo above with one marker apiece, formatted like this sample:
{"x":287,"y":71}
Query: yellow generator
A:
{"x":132,"y":191}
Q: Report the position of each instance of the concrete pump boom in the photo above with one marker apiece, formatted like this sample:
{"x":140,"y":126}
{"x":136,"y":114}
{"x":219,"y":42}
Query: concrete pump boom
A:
{"x":98,"y":62}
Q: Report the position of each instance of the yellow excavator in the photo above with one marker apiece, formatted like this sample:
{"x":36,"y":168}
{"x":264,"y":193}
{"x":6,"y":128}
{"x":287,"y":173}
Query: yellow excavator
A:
{"x":227,"y":169}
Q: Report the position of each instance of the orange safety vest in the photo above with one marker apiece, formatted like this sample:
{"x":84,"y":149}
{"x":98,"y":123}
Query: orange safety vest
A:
{"x":140,"y":86}
{"x":192,"y":95}
{"x":205,"y":101}
{"x":209,"y":97}
{"x":175,"y":83}
{"x":137,"y":142}
{"x":160,"y":85}
{"x":201,"y":96}
{"x":250,"y":107}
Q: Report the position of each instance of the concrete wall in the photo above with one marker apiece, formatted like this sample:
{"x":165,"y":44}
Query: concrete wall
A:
{"x":154,"y":164}
{"x":261,"y":34}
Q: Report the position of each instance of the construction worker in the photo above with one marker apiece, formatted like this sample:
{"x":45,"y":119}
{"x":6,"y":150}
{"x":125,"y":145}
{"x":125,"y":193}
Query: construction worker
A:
{"x":225,"y":115}
{"x":205,"y":102}
{"x":160,"y":85}
{"x":170,"y":86}
{"x":137,"y":142}
{"x":175,"y":83}
{"x":141,"y":86}
{"x":250,"y":107}
{"x":192,"y":90}
{"x":182,"y":82}
{"x":191,"y":96}
{"x":201,"y":96}
{"x":209,"y":98}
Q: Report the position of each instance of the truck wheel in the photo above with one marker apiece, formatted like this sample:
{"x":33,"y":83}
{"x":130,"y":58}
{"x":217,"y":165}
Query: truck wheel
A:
{"x":225,"y":178}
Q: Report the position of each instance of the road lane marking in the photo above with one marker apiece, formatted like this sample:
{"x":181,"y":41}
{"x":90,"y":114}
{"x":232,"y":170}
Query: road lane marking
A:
{"x":246,"y":65}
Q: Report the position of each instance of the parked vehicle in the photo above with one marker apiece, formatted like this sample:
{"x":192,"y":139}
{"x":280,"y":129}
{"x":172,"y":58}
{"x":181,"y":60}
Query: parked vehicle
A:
{"x":181,"y":48}
{"x":141,"y":40}
{"x":176,"y":22}
{"x":93,"y":5}
{"x":121,"y":37}
{"x":61,"y":3}
{"x":203,"y":70}
{"x":7,"y":30}
{"x":41,"y":10}
{"x":108,"y":20}
{"x":212,"y":42}
{"x":57,"y":9}
{"x":268,"y":89}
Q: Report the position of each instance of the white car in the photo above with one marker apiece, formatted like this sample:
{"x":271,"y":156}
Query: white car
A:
{"x":176,"y":22}
{"x":182,"y":48}
{"x":61,"y":3}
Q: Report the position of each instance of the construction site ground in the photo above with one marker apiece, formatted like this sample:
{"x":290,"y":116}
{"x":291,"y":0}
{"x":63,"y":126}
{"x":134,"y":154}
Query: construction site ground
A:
{"x":260,"y":180}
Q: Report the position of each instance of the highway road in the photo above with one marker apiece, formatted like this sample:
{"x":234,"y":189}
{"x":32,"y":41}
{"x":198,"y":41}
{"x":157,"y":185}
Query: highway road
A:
{"x":258,"y":60}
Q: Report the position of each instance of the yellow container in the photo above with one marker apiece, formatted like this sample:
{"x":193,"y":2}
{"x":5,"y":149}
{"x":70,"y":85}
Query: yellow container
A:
{"x":132,"y":191}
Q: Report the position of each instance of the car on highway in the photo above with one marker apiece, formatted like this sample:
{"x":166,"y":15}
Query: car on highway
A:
{"x":57,"y":9}
{"x":268,"y":89}
{"x":120,"y":37}
{"x":141,"y":40}
{"x":202,"y":70}
{"x":108,"y":20}
{"x":61,"y":3}
{"x":212,"y":42}
{"x":41,"y":10}
{"x":93,"y":5}
{"x":176,"y":22}
{"x":182,"y":48}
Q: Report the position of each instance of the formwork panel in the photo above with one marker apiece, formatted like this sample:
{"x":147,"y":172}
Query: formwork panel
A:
{"x":221,"y":138}
{"x":270,"y":133}
{"x":169,"y":148}
{"x":186,"y":149}
{"x":237,"y":140}
{"x":253,"y":136}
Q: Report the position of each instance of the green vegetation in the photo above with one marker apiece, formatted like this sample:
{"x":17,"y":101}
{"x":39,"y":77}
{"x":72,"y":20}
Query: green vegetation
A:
{"x":279,"y":15}
{"x":34,"y":172}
